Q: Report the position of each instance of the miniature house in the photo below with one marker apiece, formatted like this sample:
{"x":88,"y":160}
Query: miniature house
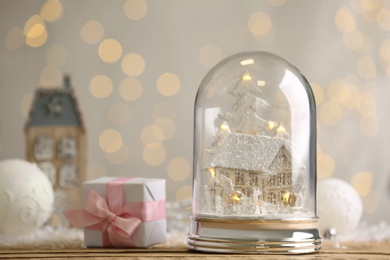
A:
{"x":256,"y":165}
{"x":56,"y":142}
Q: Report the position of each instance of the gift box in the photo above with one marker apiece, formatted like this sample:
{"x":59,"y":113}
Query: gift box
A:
{"x":122,"y":212}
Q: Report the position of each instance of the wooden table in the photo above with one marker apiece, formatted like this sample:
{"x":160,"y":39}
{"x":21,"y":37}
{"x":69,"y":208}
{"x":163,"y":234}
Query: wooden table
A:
{"x":330,"y":250}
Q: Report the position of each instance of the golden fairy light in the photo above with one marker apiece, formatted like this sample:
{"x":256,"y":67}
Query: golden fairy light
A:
{"x":271,"y":125}
{"x":235,"y":197}
{"x":280,"y":129}
{"x":285,"y":198}
{"x":246,"y":77}
{"x":212,"y":172}
{"x":224,"y":126}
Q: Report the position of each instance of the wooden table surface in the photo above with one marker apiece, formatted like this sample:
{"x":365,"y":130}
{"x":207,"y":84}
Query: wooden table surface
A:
{"x":330,"y":250}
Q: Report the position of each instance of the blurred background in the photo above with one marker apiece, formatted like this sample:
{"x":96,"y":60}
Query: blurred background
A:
{"x":136,"y":66}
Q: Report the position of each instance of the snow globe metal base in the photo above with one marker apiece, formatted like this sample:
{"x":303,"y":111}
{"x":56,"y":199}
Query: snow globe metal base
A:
{"x":254,"y":183}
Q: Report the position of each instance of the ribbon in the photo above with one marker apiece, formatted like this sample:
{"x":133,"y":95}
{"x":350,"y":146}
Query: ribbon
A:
{"x":117,"y":220}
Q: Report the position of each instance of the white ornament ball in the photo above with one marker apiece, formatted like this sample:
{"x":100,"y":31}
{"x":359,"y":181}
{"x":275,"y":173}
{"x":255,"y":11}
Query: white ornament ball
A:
{"x":339,"y":206}
{"x":26,"y":197}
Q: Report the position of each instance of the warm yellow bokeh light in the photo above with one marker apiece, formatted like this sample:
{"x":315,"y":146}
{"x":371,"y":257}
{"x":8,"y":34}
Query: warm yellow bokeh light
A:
{"x":167,"y":126}
{"x":366,"y":67}
{"x":119,"y":114}
{"x":110,"y":141}
{"x":57,"y":55}
{"x":368,"y":104}
{"x":353,"y":40}
{"x":164,"y":109}
{"x":110,"y":50}
{"x":371,"y":201}
{"x":25,"y":105}
{"x":178,"y":169}
{"x":362,"y":182}
{"x":135,"y":9}
{"x":345,"y":20}
{"x":92,"y":32}
{"x":330,"y":113}
{"x":168,"y":84}
{"x":120,"y":156}
{"x":335,"y":88}
{"x":130,"y":89}
{"x":51,"y":10}
{"x":383,"y":19}
{"x":318,"y":92}
{"x":259,"y":24}
{"x":35,"y":31}
{"x":152,"y":134}
{"x":100,"y":86}
{"x":133,"y":64}
{"x":349,"y":96}
{"x":15,"y":39}
{"x":210,"y":55}
{"x":384,"y":50}
{"x":154,"y":154}
{"x":364,"y":6}
{"x":325,"y":165}
{"x":50,"y":76}
{"x":183,"y":193}
{"x":369,"y":124}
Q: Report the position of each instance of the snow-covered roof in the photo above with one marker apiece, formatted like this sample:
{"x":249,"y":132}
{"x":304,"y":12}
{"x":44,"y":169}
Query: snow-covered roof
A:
{"x":249,"y":152}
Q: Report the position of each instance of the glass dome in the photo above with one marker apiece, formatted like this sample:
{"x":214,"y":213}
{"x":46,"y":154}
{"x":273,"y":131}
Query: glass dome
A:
{"x":254,"y":186}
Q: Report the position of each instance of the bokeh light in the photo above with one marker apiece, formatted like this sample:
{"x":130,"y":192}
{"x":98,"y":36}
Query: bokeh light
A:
{"x":368,"y":103}
{"x":330,"y":113}
{"x":133,"y":64}
{"x":183,"y":193}
{"x":110,"y":140}
{"x":345,"y":20}
{"x":369,"y":124}
{"x":383,"y":19}
{"x":15,"y":39}
{"x":152,"y":134}
{"x":135,"y":9}
{"x":120,"y":156}
{"x":325,"y":165}
{"x":51,"y":10}
{"x":35,"y":31}
{"x":364,"y":6}
{"x":349,"y":96}
{"x":353,"y":40}
{"x":100,"y":86}
{"x":362,"y":182}
{"x":178,"y":169}
{"x":259,"y":24}
{"x":50,"y":76}
{"x":92,"y":32}
{"x":130,"y":89}
{"x":119,"y":114}
{"x":210,"y":55}
{"x":168,"y":84}
{"x":366,"y":67}
{"x":154,"y":154}
{"x":57,"y":55}
{"x":371,"y":201}
{"x":110,"y":50}
{"x":167,"y":126}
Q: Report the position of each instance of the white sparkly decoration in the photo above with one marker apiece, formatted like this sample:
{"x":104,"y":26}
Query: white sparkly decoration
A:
{"x":26,"y":197}
{"x":339,"y":206}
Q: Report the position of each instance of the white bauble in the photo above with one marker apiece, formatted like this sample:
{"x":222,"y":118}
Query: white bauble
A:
{"x":26,"y":197}
{"x":339,"y":206}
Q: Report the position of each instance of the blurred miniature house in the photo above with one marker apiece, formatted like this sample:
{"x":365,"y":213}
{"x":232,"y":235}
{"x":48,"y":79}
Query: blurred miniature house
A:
{"x":56,"y":141}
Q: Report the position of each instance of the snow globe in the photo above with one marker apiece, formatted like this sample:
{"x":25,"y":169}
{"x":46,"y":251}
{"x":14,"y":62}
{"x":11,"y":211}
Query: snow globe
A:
{"x":254,"y":183}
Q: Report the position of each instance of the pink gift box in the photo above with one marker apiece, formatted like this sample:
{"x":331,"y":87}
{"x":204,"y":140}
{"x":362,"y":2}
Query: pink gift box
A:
{"x":122,"y":212}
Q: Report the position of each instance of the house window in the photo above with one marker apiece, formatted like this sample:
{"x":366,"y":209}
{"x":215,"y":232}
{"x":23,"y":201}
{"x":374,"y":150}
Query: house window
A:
{"x":247,"y":192}
{"x":69,"y":176}
{"x":239,"y":176}
{"x":67,"y":148}
{"x":271,"y":198}
{"x":43,"y":148}
{"x":273,"y":180}
{"x":254,"y":179}
{"x":288,"y":177}
{"x":49,"y":169}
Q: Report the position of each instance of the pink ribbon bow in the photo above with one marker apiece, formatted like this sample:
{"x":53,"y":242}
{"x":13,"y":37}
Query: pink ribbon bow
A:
{"x":111,"y":216}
